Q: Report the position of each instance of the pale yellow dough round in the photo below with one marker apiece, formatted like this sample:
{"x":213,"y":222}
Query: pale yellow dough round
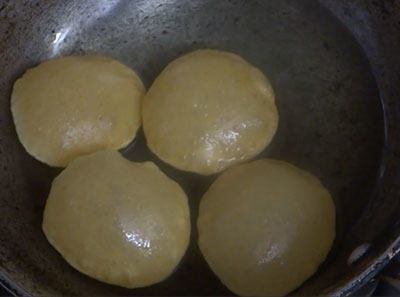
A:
{"x":265,"y":227}
{"x":71,"y":106}
{"x":209,"y":110}
{"x":119,"y":222}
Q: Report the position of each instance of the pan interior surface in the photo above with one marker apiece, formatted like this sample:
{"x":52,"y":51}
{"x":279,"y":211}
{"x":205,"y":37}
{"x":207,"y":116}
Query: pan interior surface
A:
{"x":331,"y":117}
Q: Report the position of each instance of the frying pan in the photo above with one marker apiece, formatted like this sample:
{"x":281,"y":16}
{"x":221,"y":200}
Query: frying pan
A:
{"x":335,"y":68}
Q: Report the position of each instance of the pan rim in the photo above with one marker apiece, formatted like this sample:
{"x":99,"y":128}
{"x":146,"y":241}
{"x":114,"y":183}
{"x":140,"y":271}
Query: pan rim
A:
{"x":374,"y":267}
{"x":10,"y":286}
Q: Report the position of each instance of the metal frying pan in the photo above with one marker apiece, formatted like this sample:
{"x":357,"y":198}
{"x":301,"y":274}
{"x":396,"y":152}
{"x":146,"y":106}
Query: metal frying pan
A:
{"x":335,"y":67}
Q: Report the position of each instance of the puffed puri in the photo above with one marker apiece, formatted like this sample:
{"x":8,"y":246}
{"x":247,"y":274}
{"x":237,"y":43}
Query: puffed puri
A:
{"x":265,"y":227}
{"x":209,"y":110}
{"x":117,"y":221}
{"x":71,"y":106}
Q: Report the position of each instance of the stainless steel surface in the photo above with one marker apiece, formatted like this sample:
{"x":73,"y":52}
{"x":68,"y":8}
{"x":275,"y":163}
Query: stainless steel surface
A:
{"x":334,"y":65}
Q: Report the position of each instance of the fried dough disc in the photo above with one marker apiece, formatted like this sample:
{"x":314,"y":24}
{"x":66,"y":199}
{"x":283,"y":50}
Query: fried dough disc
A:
{"x":209,"y":110}
{"x":120,"y":222}
{"x":71,"y":106}
{"x":265,"y":227}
